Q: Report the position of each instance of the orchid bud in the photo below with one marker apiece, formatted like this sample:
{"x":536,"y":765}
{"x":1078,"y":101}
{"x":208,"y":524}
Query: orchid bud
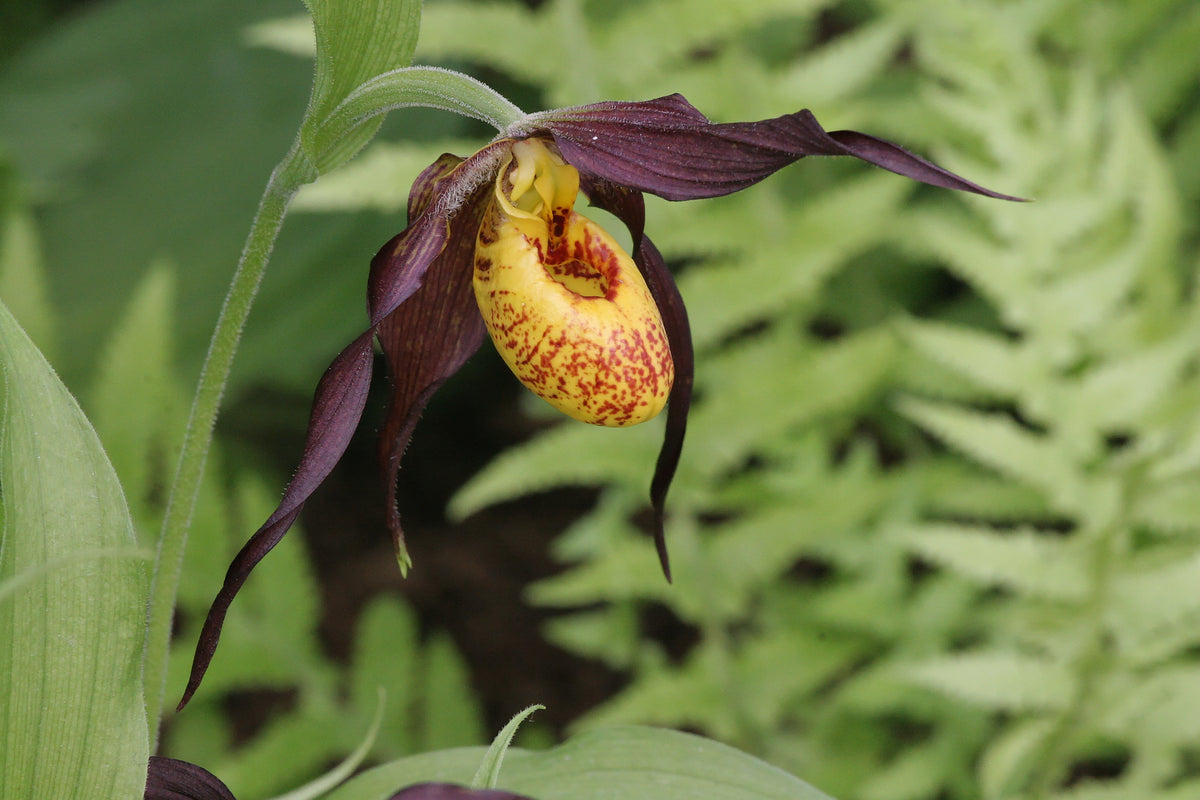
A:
{"x":565,"y":305}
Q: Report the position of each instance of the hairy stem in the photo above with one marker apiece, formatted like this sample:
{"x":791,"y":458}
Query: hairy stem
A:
{"x":291,"y":173}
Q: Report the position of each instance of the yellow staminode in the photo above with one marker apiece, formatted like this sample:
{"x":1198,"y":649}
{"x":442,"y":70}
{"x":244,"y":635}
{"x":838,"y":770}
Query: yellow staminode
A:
{"x":565,"y":305}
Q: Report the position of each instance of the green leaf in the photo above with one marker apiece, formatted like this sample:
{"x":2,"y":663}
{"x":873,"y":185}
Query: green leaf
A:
{"x":346,"y":768}
{"x":539,"y":465}
{"x":1039,"y":565}
{"x":488,"y":774}
{"x":1001,"y":680}
{"x":72,"y":715}
{"x":843,"y":66}
{"x":1001,"y":444}
{"x":986,"y":359}
{"x":431,"y":87}
{"x":1150,"y":602}
{"x":379,"y":179}
{"x":1008,"y":757}
{"x":355,"y":42}
{"x":626,"y":762}
{"x":450,"y":32}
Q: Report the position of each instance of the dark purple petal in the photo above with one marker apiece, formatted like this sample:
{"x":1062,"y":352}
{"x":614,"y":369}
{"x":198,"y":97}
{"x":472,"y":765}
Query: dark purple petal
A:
{"x":171,"y":779}
{"x":440,"y":193}
{"x":337,"y":408}
{"x":396,"y":274}
{"x":627,"y":205}
{"x":392,"y":279}
{"x":623,"y":203}
{"x":427,"y":339}
{"x":450,"y":791}
{"x":679,"y":337}
{"x":668,"y":148}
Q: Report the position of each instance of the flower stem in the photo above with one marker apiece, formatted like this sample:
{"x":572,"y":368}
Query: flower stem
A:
{"x":290,"y":174}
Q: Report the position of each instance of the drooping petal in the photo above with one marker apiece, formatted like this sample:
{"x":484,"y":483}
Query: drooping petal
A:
{"x":627,"y":205}
{"x":337,"y":408}
{"x":426,"y":340}
{"x":668,"y":148}
{"x":679,"y":336}
{"x":450,"y":791}
{"x":172,"y":779}
{"x":342,"y":392}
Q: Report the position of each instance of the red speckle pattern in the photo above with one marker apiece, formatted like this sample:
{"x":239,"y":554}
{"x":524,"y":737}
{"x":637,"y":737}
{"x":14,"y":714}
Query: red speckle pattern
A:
{"x":577,"y":325}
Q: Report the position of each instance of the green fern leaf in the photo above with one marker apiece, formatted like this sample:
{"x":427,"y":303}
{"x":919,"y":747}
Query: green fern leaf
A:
{"x":844,"y":66}
{"x":958,"y":489}
{"x":988,"y":360}
{"x":516,"y":42}
{"x":1149,"y":602}
{"x":609,"y":456}
{"x":378,"y":180}
{"x":1023,"y":561}
{"x":1005,"y":763}
{"x":745,"y":413}
{"x":1001,"y":444}
{"x":1000,"y":680}
{"x":792,"y":257}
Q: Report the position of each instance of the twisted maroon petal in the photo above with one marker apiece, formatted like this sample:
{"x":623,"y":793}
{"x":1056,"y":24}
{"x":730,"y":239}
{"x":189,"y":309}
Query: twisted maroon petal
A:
{"x":668,"y":148}
{"x":337,"y":408}
{"x":427,"y":339}
{"x":396,"y":274}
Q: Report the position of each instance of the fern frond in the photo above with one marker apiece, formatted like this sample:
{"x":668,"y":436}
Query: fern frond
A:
{"x":1000,"y":443}
{"x":1023,"y":561}
{"x":1001,"y":680}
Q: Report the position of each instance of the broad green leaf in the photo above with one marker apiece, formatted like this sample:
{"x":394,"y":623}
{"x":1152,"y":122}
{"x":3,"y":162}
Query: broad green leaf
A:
{"x":72,"y":715}
{"x":356,"y":41}
{"x":626,"y":762}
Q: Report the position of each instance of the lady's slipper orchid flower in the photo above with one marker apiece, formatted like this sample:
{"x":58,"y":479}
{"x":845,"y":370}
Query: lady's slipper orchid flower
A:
{"x":494,"y":247}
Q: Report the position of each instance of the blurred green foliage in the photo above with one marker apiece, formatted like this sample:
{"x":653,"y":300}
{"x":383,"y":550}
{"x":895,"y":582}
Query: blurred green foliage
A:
{"x":936,"y":531}
{"x":936,"y":524}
